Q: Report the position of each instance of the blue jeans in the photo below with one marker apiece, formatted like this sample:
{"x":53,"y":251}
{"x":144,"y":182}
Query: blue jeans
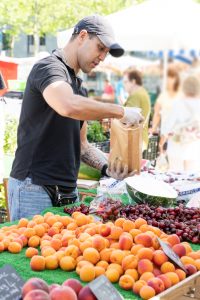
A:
{"x":26,"y":199}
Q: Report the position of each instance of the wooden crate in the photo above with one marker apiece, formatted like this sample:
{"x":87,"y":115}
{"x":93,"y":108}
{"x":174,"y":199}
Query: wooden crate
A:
{"x":187,"y":289}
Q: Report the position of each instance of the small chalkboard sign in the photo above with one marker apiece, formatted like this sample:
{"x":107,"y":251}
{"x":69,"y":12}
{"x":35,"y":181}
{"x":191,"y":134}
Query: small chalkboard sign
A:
{"x":10,"y":284}
{"x":103,"y":289}
{"x":171,"y":254}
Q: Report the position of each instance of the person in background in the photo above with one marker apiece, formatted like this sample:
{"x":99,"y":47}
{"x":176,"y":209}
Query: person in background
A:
{"x":52,"y":132}
{"x":108,"y":91}
{"x":138,"y":97}
{"x":120,"y":93}
{"x":163,"y":104}
{"x":183,"y":129}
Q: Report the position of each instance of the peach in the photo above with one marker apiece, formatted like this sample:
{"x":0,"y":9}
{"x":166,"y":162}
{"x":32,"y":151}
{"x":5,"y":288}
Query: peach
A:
{"x":34,"y":241}
{"x":112,"y":274}
{"x":173,"y":277}
{"x":30,"y":252}
{"x":147,"y":292}
{"x":187,"y":247}
{"x":133,"y":273}
{"x":67,"y":263}
{"x":191,"y":269}
{"x":136,"y":248}
{"x":39,"y":230}
{"x":165,"y":280}
{"x":145,"y":253}
{"x":87,"y":273}
{"x":194,"y":255}
{"x":102,"y":263}
{"x":105,"y":254}
{"x":23,"y":222}
{"x":1,"y":247}
{"x":139,"y":222}
{"x":53,"y":286}
{"x":125,"y":242}
{"x":116,"y":232}
{"x":145,"y":265}
{"x":104,"y":230}
{"x":74,"y":284}
{"x":56,"y":244}
{"x":81,"y":219}
{"x":187,"y":260}
{"x":117,"y":256}
{"x":28,"y":232}
{"x":14,"y":247}
{"x":156,"y":272}
{"x":99,"y":271}
{"x":72,"y":251}
{"x":24,"y":239}
{"x":37,"y":263}
{"x":82,"y":263}
{"x":34,"y":284}
{"x":146,"y":276}
{"x":98,"y":243}
{"x":119,"y":222}
{"x":116,"y":267}
{"x":181,"y":274}
{"x":84,"y":245}
{"x":159,"y":257}
{"x":157,"y":284}
{"x":138,"y":285}
{"x":51,"y":262}
{"x":128,"y":225}
{"x":197,"y":264}
{"x":143,"y":239}
{"x":129,"y":262}
{"x":62,"y":293}
{"x":53,"y":230}
{"x":179,"y":250}
{"x":173,"y":239}
{"x":46,"y":251}
{"x":36,"y":295}
{"x":86,"y":294}
{"x":167,"y":267}
{"x":135,"y":232}
{"x":91,"y":255}
{"x":126,"y":282}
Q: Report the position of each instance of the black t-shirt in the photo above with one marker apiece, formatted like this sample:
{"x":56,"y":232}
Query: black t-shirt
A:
{"x":48,"y":145}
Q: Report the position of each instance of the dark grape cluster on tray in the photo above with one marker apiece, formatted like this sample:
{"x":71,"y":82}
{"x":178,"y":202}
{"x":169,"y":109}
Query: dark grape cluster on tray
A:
{"x":183,"y":221}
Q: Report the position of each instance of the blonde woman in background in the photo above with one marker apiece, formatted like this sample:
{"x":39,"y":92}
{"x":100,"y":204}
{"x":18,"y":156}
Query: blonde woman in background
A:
{"x":163,"y":105}
{"x":183,"y":129}
{"x":138,"y":97}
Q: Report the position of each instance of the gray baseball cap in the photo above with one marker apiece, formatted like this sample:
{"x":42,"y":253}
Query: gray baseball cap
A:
{"x":98,"y":25}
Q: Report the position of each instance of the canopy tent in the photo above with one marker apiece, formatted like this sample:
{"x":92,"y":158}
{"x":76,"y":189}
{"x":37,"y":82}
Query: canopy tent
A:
{"x":154,"y":25}
{"x":120,"y":64}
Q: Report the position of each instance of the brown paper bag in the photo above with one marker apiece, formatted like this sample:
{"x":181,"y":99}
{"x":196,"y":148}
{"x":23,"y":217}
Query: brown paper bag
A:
{"x":126,"y":144}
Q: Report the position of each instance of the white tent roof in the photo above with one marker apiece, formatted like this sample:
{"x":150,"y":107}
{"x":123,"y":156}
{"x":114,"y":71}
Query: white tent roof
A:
{"x":154,"y":25}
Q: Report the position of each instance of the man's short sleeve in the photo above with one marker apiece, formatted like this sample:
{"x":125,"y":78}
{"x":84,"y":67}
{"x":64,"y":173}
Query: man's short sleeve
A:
{"x":46,"y":72}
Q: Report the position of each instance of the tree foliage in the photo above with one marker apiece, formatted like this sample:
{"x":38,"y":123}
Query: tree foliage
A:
{"x":39,"y":17}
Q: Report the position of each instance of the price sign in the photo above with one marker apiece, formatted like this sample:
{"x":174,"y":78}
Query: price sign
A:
{"x":103,"y":289}
{"x":10,"y":284}
{"x":171,"y":254}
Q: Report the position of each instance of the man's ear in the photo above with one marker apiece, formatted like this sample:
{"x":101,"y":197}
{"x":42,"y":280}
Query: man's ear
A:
{"x":82,"y":35}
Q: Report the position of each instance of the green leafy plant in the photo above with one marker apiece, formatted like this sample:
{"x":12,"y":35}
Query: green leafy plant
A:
{"x":10,"y":137}
{"x":95,"y":132}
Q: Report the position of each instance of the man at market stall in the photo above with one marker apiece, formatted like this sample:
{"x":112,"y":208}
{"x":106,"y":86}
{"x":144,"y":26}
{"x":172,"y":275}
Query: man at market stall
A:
{"x":52,"y":132}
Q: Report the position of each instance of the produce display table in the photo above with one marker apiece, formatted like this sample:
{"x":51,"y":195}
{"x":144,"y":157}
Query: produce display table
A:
{"x":21,"y":263}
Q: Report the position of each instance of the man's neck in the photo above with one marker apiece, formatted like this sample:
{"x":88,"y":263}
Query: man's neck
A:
{"x":69,"y":57}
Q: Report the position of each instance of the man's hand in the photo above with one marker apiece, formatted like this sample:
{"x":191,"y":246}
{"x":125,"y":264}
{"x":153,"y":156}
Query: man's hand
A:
{"x":118,"y":170}
{"x":132,"y":116}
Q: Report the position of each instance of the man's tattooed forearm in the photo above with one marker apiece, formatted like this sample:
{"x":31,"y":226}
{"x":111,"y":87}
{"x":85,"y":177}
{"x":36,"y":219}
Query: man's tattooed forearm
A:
{"x":93,"y":157}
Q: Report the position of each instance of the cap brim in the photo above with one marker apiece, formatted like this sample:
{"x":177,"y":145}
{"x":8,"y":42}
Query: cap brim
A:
{"x":115,"y":49}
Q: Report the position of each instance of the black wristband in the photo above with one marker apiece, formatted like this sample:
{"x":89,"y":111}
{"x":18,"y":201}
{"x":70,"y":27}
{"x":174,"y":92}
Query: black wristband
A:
{"x":103,"y":170}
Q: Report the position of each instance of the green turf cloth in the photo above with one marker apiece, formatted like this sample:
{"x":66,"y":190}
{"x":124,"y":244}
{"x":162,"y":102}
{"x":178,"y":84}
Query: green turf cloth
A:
{"x":21,"y":263}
